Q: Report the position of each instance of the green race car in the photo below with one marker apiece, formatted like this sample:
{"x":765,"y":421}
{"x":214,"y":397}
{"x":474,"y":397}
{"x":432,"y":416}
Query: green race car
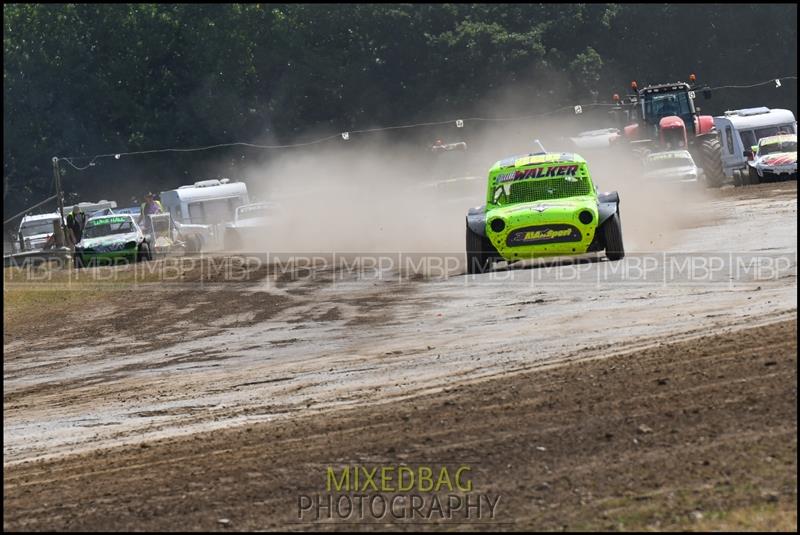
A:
{"x":542,"y":204}
{"x":112,"y":239}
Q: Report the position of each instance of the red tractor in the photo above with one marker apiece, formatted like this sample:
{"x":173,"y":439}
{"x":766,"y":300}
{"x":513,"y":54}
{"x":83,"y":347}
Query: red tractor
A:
{"x":664,"y":117}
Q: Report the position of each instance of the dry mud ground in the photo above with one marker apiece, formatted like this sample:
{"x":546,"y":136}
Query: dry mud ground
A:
{"x":584,"y":395}
{"x":698,"y":434}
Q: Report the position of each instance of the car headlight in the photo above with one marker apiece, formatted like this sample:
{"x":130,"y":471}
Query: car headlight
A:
{"x":130,"y":245}
{"x":497,"y":225}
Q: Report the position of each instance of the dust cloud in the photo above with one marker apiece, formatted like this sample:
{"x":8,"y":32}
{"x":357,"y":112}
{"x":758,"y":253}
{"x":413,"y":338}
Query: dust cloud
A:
{"x":652,"y":214}
{"x":378,"y":196}
{"x":388,"y":193}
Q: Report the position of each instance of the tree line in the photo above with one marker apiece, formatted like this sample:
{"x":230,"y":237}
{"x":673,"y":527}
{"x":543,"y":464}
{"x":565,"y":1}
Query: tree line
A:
{"x":84,"y":79}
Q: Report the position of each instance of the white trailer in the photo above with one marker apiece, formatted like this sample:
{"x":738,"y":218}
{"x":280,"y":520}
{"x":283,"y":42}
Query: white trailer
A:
{"x":92,"y":208}
{"x":202,"y":209}
{"x":740,"y":130}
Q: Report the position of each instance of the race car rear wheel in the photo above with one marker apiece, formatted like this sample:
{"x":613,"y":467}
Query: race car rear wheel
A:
{"x":753,"y":176}
{"x":612,"y":231}
{"x":479,"y":253}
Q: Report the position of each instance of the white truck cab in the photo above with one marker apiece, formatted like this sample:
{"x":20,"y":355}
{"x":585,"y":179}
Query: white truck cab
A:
{"x":35,"y":230}
{"x":740,"y":130}
{"x":673,"y":166}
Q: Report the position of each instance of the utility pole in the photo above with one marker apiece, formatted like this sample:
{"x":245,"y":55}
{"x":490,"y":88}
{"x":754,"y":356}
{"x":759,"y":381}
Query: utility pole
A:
{"x":59,"y":194}
{"x":60,"y":198}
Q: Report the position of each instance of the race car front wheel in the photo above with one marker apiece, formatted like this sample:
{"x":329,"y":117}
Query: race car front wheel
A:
{"x":612,"y":229}
{"x":144,"y":254}
{"x":479,"y":256}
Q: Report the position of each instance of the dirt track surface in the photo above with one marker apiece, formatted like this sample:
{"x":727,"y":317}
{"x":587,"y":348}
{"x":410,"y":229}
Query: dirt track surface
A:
{"x":658,"y":438}
{"x":288,"y":351}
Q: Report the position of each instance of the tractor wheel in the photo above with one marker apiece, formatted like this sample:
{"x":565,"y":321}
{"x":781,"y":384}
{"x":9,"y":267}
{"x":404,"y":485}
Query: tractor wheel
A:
{"x":753,"y":176}
{"x":479,"y":253}
{"x":612,"y":231}
{"x":711,"y":161}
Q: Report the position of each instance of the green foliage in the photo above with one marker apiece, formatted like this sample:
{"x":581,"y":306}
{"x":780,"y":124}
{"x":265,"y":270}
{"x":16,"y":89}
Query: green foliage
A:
{"x":587,"y":66}
{"x":83,"y":79}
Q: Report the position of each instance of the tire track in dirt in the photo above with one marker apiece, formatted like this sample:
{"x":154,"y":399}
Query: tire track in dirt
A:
{"x":637,"y":441}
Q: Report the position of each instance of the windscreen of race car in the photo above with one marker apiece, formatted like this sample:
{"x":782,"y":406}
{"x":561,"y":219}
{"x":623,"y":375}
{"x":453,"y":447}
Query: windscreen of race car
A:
{"x":108,"y":228}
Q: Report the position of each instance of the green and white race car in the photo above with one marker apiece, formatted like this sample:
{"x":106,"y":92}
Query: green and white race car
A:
{"x":111,"y":239}
{"x":542,"y":204}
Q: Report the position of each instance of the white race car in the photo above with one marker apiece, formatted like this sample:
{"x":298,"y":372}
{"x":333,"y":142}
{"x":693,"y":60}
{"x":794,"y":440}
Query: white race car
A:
{"x":671,"y":166}
{"x":250,"y":225}
{"x":774,"y":157}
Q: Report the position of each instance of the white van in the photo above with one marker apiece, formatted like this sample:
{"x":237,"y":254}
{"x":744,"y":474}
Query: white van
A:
{"x":740,"y":130}
{"x":34,"y":230}
{"x":202,"y":209}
